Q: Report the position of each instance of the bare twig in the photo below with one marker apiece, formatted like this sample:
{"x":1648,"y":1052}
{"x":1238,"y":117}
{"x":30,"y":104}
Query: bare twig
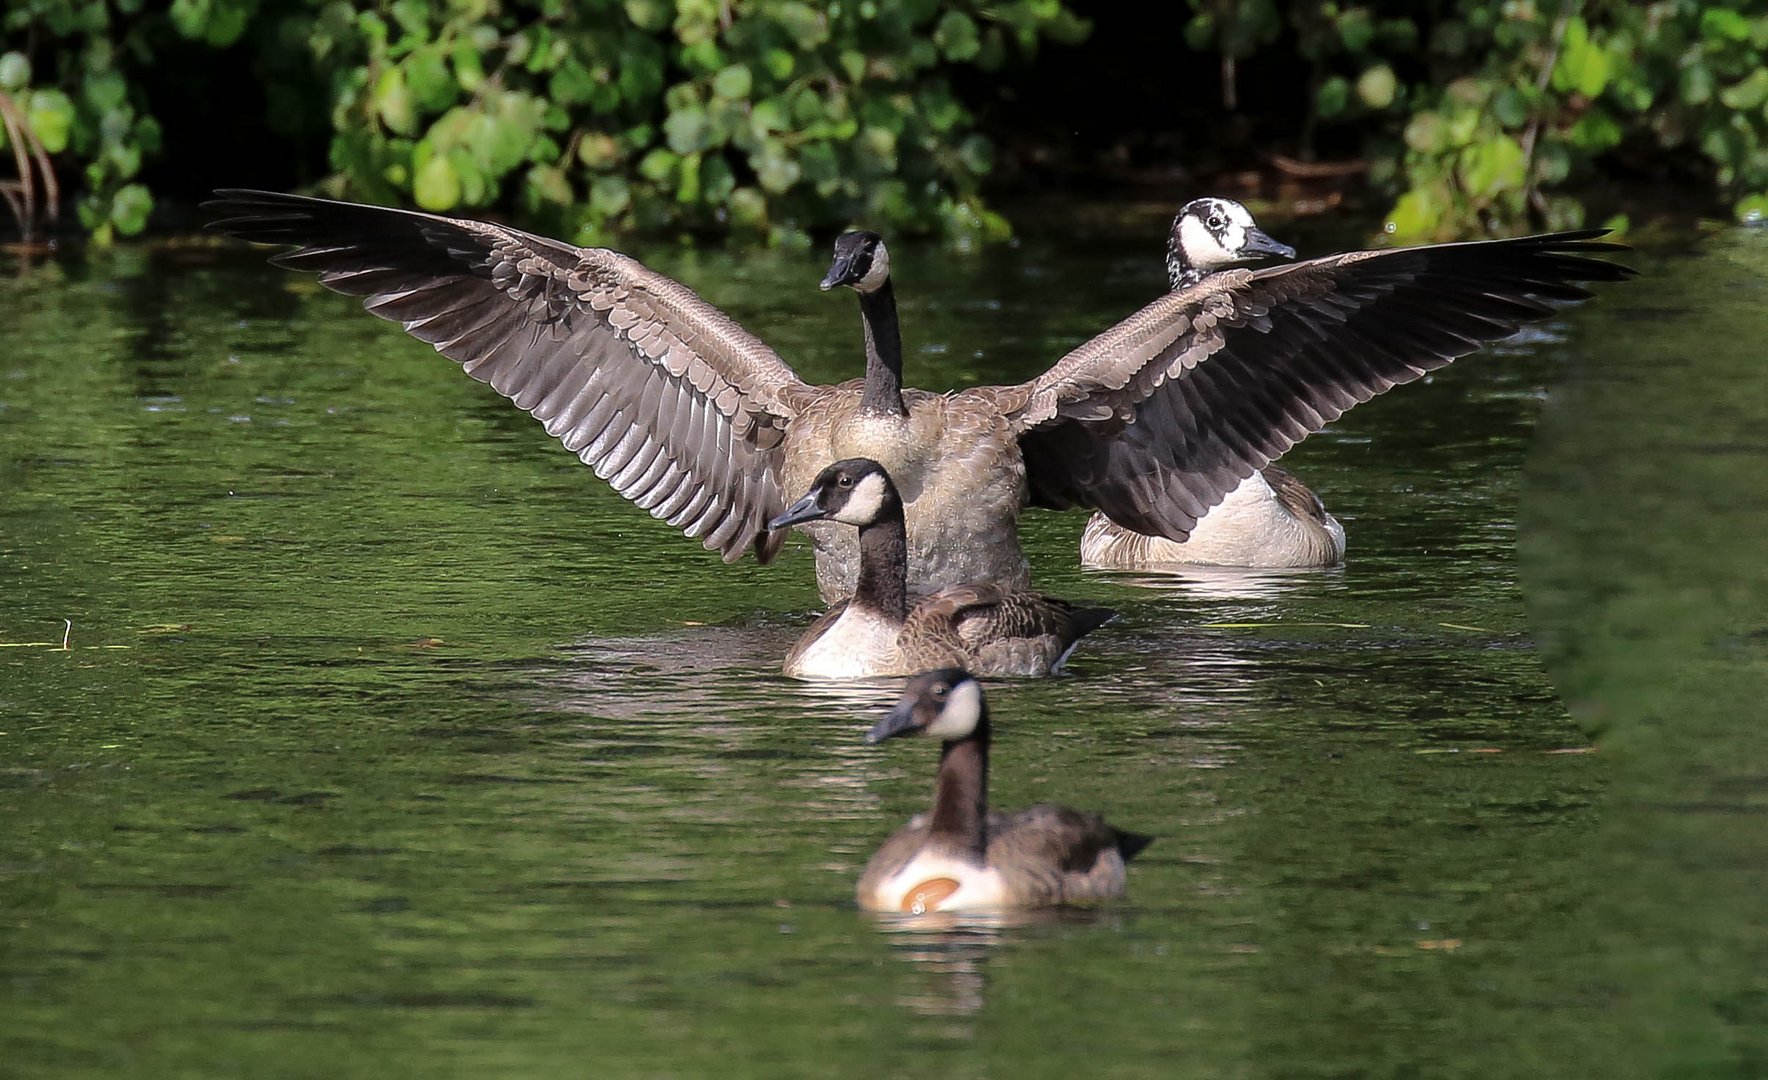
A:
{"x":21,"y":194}
{"x":1531,"y":193}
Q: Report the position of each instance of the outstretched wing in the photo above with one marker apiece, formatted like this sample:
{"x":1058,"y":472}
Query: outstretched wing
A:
{"x":659,"y":392}
{"x":1159,"y":417}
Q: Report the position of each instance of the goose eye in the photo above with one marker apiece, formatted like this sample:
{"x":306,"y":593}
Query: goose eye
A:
{"x":845,"y":481}
{"x":939,"y":689}
{"x":1215,"y":221}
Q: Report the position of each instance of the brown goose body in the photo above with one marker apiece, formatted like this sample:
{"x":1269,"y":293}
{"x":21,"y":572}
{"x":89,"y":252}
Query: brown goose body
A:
{"x":697,"y":421}
{"x":986,"y":628}
{"x":960,"y":856}
{"x":956,"y":467}
{"x":884,"y":630}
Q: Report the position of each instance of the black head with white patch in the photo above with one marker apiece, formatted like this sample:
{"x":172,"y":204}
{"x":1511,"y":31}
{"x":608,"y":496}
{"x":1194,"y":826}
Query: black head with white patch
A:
{"x":862,"y":263}
{"x":1212,"y":234}
{"x":947,"y":704}
{"x":854,"y":492}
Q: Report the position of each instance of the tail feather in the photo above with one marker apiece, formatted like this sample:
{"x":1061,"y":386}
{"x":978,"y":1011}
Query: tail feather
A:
{"x":1130,"y":844}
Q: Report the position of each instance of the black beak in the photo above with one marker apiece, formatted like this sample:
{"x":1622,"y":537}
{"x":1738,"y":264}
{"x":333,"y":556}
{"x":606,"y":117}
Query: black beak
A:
{"x":900,"y":720}
{"x":840,"y":272}
{"x":805,"y":509}
{"x":1257,"y":243}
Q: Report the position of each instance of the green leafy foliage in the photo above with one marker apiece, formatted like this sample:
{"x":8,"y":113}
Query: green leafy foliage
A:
{"x":773,"y":118}
{"x":768,"y":117}
{"x":1506,"y":110}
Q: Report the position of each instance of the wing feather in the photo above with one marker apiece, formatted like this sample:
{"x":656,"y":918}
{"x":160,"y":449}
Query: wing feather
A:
{"x":1156,"y":419}
{"x":660,"y":393}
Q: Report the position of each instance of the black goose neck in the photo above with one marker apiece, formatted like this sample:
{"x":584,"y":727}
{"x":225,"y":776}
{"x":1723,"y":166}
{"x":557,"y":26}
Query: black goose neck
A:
{"x":1180,"y":274}
{"x":883,"y":390}
{"x":960,"y":795}
{"x":883,"y":584}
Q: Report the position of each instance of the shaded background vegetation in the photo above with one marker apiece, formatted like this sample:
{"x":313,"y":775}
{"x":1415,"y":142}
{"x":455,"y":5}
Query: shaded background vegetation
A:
{"x":777,"y":118}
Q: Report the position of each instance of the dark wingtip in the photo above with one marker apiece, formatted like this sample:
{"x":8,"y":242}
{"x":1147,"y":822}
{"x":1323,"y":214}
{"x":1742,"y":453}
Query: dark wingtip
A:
{"x":1086,"y":620}
{"x":1130,"y":844}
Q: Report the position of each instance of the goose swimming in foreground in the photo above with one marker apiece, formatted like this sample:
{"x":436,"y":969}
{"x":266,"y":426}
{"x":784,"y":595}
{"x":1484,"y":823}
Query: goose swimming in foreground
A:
{"x":879,"y":631}
{"x":1271,"y":519}
{"x":701,"y":424}
{"x":962,"y":857}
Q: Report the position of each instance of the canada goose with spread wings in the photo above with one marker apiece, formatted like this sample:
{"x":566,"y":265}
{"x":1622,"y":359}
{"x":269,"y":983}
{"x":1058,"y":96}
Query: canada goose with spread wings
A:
{"x":697,"y":421}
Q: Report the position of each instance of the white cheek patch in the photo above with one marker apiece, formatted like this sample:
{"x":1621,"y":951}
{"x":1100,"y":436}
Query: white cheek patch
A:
{"x":1201,"y":248}
{"x":963,"y":707}
{"x":866,"y":502}
{"x":879,"y":271}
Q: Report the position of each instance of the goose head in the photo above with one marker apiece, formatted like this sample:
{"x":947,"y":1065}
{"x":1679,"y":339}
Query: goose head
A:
{"x":862,"y":263}
{"x":854,"y":492}
{"x":946,"y":704}
{"x":1211,"y":234}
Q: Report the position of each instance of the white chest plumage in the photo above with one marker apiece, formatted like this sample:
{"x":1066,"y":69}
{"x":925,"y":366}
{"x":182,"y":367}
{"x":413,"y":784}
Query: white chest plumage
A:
{"x":932,"y":881}
{"x":1250,"y":527}
{"x":860,"y":643}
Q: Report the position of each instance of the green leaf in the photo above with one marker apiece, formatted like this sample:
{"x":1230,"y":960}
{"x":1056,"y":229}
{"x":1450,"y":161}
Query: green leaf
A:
{"x":469,"y":68}
{"x":1510,"y":108}
{"x":1334,"y":94}
{"x":658,"y":165}
{"x":51,"y":116}
{"x":129,"y":209}
{"x":392,"y":100}
{"x":775,"y":169}
{"x":687,"y":131}
{"x":1413,"y":217}
{"x":1377,"y":87}
{"x":1552,"y":162}
{"x":474,"y":186}
{"x":716,"y":181}
{"x":649,"y":15}
{"x":1723,"y":24}
{"x":853,"y":65}
{"x":598,"y":152}
{"x":733,"y":82}
{"x":15,"y":71}
{"x":413,"y":17}
{"x":748,"y":209}
{"x":571,"y":84}
{"x":1595,"y":131}
{"x":1356,"y":29}
{"x":977,"y":154}
{"x":803,"y":23}
{"x":779,"y":63}
{"x":428,"y":78}
{"x":1747,"y":94}
{"x":437,"y":187}
{"x":608,"y":196}
{"x":104,"y":90}
{"x":189,"y":16}
{"x":1494,"y":165}
{"x":956,"y":36}
{"x":549,"y":186}
{"x":1697,"y":83}
{"x":1583,"y":66}
{"x":687,"y":180}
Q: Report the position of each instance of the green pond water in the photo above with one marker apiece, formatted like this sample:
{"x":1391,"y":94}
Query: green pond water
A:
{"x":390,"y":742}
